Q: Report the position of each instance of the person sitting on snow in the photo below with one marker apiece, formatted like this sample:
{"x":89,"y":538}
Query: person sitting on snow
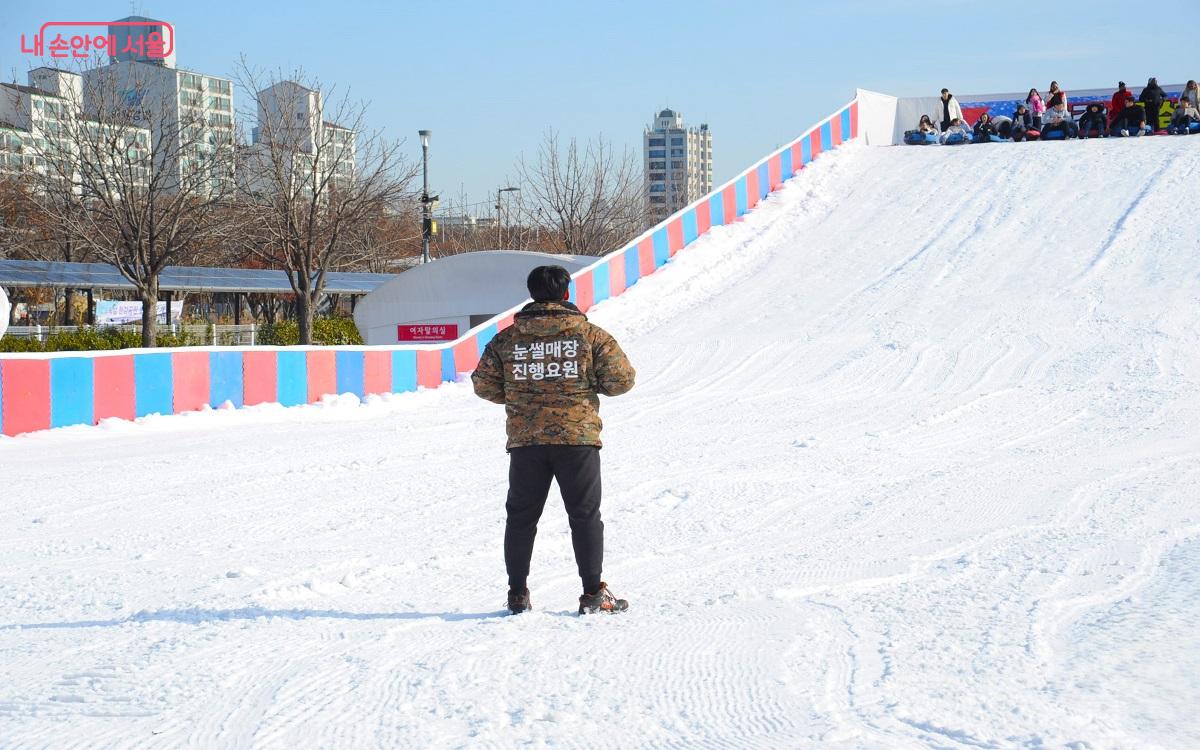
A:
{"x":1093,"y":119}
{"x":956,"y":128}
{"x":1185,"y":114}
{"x":1022,"y":122}
{"x":926,"y":125}
{"x":1057,"y":117}
{"x":985,"y":129}
{"x":1129,"y":121}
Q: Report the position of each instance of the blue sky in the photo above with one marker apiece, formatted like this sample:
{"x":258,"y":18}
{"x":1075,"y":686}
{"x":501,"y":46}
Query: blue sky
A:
{"x":490,"y":77}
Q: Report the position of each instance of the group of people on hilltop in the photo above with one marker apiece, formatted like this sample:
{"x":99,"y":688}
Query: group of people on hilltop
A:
{"x":1050,"y":117}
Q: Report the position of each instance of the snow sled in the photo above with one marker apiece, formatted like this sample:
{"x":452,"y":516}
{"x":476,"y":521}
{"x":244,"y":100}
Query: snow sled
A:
{"x":1054,"y":133}
{"x":991,"y":139}
{"x":1028,"y":135}
{"x":1192,"y":127}
{"x":955,"y":139}
{"x":917,"y":138}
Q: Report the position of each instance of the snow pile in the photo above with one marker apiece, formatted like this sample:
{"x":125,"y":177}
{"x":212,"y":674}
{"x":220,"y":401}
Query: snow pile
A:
{"x":911,"y":463}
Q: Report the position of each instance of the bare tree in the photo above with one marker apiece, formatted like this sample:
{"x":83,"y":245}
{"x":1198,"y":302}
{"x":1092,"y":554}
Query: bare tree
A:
{"x":378,"y":242}
{"x":130,"y":175}
{"x":591,"y":197}
{"x":30,"y":231}
{"x":21,"y":222}
{"x":311,"y":179}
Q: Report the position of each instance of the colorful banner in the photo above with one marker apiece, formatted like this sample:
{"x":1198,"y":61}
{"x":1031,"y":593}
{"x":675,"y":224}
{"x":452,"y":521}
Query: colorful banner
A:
{"x":111,"y":312}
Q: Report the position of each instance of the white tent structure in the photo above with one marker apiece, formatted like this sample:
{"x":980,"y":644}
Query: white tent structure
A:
{"x":452,"y":294}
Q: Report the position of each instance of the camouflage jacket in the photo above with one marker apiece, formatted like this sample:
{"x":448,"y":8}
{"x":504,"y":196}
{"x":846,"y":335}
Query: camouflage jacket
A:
{"x":547,"y":369}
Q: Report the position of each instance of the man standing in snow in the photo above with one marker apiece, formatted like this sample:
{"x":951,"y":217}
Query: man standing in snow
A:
{"x":548,"y":369}
{"x":950,"y":110}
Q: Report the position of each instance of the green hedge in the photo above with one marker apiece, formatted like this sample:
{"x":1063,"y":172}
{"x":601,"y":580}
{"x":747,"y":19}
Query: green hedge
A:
{"x":91,"y":339}
{"x":326,"y":332}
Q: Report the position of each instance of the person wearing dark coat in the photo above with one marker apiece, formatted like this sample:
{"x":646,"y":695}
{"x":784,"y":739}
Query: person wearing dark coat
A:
{"x":1129,"y":121}
{"x":1153,"y":96}
{"x":1022,"y":121}
{"x":985,"y":129}
{"x":1093,"y":119}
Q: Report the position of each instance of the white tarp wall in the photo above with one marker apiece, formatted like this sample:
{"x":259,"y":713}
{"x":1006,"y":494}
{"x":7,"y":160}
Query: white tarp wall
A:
{"x":4,"y":308}
{"x":909,"y":111}
{"x":876,"y":118}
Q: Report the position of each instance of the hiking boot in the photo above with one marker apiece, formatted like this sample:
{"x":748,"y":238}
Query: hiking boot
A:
{"x":602,"y":602}
{"x":518,"y":601}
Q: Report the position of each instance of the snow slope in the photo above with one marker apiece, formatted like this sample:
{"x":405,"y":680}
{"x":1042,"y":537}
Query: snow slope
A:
{"x":915,"y":467}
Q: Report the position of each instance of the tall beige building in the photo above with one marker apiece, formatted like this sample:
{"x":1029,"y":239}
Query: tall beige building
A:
{"x":677,"y":163}
{"x":292,"y":129}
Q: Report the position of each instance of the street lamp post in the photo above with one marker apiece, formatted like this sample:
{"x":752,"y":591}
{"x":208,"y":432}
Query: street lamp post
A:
{"x":499,"y":243}
{"x":427,"y":200}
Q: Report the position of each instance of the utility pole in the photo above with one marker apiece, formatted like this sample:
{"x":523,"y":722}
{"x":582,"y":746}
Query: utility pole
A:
{"x":427,"y":200}
{"x":499,"y":242}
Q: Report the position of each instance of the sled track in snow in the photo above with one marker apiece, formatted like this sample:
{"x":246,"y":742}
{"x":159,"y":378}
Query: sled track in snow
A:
{"x":913,"y":468}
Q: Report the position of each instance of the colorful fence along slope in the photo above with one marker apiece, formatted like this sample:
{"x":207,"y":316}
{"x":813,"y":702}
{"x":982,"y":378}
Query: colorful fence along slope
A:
{"x":38,"y":392}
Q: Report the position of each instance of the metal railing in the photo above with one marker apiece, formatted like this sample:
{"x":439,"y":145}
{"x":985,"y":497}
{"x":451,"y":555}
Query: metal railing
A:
{"x":208,"y":334}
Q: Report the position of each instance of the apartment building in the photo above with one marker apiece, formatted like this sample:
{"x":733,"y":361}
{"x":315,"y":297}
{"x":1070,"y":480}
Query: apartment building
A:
{"x":46,"y":116}
{"x":677,"y":163}
{"x":193,"y":110}
{"x":292,"y":132}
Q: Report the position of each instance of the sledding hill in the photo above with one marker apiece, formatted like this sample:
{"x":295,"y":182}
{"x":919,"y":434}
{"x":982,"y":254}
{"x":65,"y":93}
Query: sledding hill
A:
{"x":912,"y":462}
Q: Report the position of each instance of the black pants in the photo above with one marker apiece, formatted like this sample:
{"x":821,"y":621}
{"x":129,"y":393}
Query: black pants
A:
{"x":576,"y":468}
{"x":1152,"y":116}
{"x":1088,"y":123}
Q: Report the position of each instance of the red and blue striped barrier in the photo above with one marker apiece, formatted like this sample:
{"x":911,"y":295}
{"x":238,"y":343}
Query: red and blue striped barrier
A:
{"x":41,"y":391}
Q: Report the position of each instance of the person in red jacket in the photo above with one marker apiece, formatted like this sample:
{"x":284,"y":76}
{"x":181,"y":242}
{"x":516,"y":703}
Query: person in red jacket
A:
{"x":1118,"y":103}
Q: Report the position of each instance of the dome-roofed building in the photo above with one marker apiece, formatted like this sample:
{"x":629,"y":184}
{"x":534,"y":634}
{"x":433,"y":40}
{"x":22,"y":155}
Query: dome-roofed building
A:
{"x":443,"y":299}
{"x":4,"y":311}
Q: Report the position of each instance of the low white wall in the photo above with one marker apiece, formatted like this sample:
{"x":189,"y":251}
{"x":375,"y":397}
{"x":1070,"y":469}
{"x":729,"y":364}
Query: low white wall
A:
{"x":4,"y":308}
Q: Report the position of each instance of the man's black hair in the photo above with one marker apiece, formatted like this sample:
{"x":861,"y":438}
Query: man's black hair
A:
{"x":548,"y":283}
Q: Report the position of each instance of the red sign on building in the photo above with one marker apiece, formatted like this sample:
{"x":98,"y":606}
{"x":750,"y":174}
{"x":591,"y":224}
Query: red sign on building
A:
{"x":421,"y":333}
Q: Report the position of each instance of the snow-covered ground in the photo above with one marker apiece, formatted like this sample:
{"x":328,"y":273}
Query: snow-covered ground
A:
{"x":912,"y":462}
